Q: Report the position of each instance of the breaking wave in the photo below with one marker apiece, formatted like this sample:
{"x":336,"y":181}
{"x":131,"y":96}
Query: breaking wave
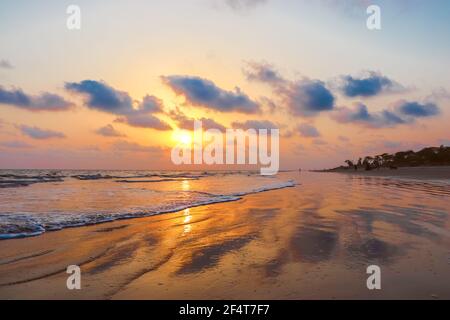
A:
{"x":27,"y":224}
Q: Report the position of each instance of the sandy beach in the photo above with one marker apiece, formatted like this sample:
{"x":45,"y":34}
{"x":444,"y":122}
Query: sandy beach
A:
{"x":312,"y":241}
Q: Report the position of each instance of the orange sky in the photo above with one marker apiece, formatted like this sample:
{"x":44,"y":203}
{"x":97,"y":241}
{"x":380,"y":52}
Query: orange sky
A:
{"x":302,"y":44}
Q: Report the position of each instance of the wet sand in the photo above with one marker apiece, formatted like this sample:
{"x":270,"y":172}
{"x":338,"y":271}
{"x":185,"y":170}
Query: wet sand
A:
{"x":313,"y":241}
{"x":424,"y":173}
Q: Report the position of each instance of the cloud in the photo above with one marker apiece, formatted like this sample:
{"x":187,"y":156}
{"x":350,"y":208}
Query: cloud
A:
{"x":43,"y":102}
{"x":147,"y":121}
{"x":151,"y":104}
{"x":308,"y":131}
{"x":186,"y":123}
{"x":125,"y":146}
{"x":319,"y":142}
{"x":15,"y":144}
{"x":309,"y":97}
{"x":361,"y":115}
{"x":100,"y":96}
{"x":244,"y":4}
{"x":269,"y":104}
{"x":392,"y":144}
{"x":109,"y":131}
{"x":439,"y":94}
{"x":370,"y":85}
{"x":255,"y":124}
{"x":262,"y":72}
{"x":306,"y":97}
{"x":40,"y":134}
{"x":403,"y":112}
{"x":418,"y":110}
{"x":5,"y":64}
{"x":203,"y":92}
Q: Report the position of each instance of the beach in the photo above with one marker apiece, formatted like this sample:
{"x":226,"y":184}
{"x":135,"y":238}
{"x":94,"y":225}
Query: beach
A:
{"x":424,"y":173}
{"x":311,"y":241}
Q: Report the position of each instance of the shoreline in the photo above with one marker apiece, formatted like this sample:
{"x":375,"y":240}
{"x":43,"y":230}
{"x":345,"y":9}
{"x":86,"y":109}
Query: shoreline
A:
{"x":219,"y":199}
{"x":420,"y":173}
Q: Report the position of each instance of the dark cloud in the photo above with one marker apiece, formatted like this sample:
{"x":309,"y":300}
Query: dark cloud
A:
{"x":305,"y":97}
{"x":262,"y":72}
{"x":151,"y":104}
{"x":40,"y":134}
{"x":255,"y":124}
{"x":5,"y":64}
{"x":416,"y":109}
{"x":370,"y":85}
{"x":101,"y":96}
{"x":308,"y":130}
{"x":109,"y":131}
{"x":361,"y":115}
{"x":403,"y":112}
{"x":186,"y":123}
{"x":44,"y":102}
{"x":148,"y":121}
{"x":203,"y":92}
{"x":309,"y":97}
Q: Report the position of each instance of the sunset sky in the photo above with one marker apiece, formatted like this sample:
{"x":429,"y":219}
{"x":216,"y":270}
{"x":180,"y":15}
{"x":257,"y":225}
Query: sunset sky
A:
{"x":111,"y":95}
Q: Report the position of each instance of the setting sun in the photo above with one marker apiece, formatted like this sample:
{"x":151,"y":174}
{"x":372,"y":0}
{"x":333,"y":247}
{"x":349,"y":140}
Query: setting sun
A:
{"x":182,"y":136}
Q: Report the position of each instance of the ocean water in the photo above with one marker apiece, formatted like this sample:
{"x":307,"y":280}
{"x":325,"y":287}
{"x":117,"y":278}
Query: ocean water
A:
{"x":36,"y":201}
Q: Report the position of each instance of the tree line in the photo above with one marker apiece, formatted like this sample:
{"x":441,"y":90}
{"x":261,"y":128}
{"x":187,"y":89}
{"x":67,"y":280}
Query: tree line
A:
{"x":430,"y":156}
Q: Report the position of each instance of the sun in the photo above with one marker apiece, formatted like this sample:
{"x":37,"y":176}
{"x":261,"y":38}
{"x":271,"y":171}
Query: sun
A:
{"x":182,"y":137}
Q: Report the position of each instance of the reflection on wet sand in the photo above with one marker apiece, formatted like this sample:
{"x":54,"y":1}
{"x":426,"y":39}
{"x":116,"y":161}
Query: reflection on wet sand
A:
{"x":209,"y":256}
{"x":311,"y":241}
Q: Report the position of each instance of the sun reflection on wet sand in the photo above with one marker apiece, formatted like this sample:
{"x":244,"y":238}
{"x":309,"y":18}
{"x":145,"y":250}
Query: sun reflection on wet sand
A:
{"x":187,"y":218}
{"x":311,"y":241}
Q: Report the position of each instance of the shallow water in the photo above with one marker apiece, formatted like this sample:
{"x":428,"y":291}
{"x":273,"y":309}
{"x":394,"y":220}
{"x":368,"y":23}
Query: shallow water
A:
{"x":36,"y":201}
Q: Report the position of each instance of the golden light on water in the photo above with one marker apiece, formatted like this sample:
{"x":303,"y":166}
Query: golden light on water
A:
{"x":185,"y":185}
{"x":187,"y":218}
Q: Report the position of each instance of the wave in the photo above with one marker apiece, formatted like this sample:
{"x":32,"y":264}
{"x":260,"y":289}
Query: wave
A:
{"x":155,"y":180}
{"x":10,"y":180}
{"x":28,"y":225}
{"x":24,"y":178}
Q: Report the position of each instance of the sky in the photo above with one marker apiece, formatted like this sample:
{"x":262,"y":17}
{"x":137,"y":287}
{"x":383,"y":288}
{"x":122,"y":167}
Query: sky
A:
{"x":122,"y":90}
